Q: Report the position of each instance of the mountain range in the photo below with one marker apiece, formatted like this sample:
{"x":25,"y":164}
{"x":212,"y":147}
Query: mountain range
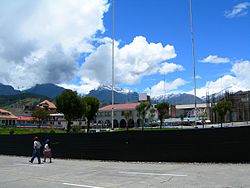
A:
{"x":48,"y":90}
{"x":181,"y":98}
{"x":103,"y":93}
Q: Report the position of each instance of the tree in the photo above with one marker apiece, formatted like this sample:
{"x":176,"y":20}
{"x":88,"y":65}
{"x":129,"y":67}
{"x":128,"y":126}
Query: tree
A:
{"x":139,"y":112}
{"x":40,"y":115}
{"x":71,"y":105}
{"x":127,"y":114}
{"x":142,"y":110}
{"x":182,"y":118}
{"x":92,"y":106}
{"x":222,"y":107}
{"x":162,"y":109}
{"x":151,"y":115}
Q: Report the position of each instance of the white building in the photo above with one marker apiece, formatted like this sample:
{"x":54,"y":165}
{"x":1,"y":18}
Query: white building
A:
{"x":58,"y":121}
{"x":124,"y":114}
{"x":7,"y":118}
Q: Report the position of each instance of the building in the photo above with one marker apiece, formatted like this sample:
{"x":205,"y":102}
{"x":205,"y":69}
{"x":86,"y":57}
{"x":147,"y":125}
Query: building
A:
{"x":240,"y":107}
{"x":51,"y":107}
{"x":123,"y":114}
{"x":188,"y":110}
{"x":29,"y":122}
{"x":57,"y":121}
{"x":23,"y":121}
{"x":7,"y":118}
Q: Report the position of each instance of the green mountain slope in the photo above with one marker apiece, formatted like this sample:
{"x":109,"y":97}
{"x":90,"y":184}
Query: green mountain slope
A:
{"x":17,"y":104}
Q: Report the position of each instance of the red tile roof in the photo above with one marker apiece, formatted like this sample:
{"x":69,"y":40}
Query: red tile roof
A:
{"x":6,"y":114}
{"x":25,"y":118}
{"x":51,"y":105}
{"x":4,"y":111}
{"x":8,"y":117}
{"x":128,"y":106}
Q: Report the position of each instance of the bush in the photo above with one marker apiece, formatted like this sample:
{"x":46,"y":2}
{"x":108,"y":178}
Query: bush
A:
{"x":12,"y":131}
{"x":52,"y":131}
{"x":75,"y":129}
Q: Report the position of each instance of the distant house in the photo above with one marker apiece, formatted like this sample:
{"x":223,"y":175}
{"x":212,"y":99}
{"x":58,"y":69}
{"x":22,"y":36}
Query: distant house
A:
{"x":7,"y":118}
{"x":240,"y":107}
{"x":103,"y":119}
{"x":57,"y":120}
{"x":188,"y":110}
{"x":51,"y":107}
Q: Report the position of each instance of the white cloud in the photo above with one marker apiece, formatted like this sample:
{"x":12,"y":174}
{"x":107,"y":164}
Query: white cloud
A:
{"x":170,"y":87}
{"x":239,"y":10}
{"x":198,"y":77}
{"x":215,"y":59}
{"x":239,"y":80}
{"x":41,"y":40}
{"x":170,"y":67}
{"x":132,"y":61}
{"x":82,"y":88}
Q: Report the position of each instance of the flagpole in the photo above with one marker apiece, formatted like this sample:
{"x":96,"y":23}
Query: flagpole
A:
{"x":113,"y":63}
{"x":193,"y":57}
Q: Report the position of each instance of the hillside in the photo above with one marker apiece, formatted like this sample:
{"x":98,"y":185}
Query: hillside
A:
{"x":8,"y":90}
{"x":18,"y":104}
{"x":49,"y":90}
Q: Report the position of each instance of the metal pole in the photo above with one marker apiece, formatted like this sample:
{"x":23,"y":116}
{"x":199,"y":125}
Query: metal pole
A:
{"x":193,"y":57}
{"x":164,"y":86}
{"x":113,"y":63}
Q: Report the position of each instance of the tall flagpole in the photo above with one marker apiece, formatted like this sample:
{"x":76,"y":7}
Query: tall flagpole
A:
{"x":113,"y":63}
{"x":193,"y":57}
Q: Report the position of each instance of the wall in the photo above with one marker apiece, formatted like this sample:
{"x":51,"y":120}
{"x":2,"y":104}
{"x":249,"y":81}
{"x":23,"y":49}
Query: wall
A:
{"x":200,"y":145}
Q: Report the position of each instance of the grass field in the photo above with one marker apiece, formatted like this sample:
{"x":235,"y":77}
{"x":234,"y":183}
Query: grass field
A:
{"x":8,"y":131}
{"x":147,"y":128}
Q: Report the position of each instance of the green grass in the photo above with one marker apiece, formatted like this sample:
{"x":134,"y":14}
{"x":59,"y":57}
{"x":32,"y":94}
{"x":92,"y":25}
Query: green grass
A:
{"x":147,"y":128}
{"x":8,"y":131}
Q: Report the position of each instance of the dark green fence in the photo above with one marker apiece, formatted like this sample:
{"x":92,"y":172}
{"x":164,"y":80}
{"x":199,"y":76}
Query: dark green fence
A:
{"x":194,"y":145}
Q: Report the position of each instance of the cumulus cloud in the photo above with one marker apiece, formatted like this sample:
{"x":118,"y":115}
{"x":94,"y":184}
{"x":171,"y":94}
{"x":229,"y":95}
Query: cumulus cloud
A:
{"x":83,"y":87}
{"x":215,"y":59}
{"x":132,"y":61}
{"x":170,"y":67}
{"x":170,"y":87}
{"x":239,"y":80}
{"x":239,"y":10}
{"x":41,"y":40}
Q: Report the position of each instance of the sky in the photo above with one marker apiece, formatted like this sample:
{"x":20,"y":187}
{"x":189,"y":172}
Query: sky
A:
{"x":69,"y":43}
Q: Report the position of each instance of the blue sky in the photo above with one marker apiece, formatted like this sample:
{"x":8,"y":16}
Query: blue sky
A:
{"x":69,"y":44}
{"x":167,"y":22}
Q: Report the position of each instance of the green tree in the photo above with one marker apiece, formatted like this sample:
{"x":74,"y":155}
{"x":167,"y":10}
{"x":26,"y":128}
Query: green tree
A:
{"x":142,"y":111}
{"x":222,"y":107}
{"x":92,"y":106}
{"x":139,"y":112}
{"x":151,"y":115}
{"x":182,"y":118}
{"x":127,"y":114}
{"x":163,"y":109}
{"x":40,"y":115}
{"x":71,"y":105}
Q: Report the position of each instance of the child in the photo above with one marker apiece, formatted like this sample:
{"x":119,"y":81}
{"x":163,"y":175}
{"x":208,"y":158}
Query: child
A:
{"x":47,"y":151}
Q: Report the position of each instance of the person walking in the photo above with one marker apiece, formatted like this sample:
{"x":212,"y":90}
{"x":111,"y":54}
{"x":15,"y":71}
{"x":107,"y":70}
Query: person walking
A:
{"x":47,"y":151}
{"x":36,"y":150}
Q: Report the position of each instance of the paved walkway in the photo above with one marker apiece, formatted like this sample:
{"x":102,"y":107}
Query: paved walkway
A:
{"x":17,"y":172}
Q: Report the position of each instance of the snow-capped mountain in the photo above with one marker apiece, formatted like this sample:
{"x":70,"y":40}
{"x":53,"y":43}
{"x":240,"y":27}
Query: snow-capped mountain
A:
{"x":181,"y":98}
{"x":104,"y":94}
{"x":116,"y":89}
